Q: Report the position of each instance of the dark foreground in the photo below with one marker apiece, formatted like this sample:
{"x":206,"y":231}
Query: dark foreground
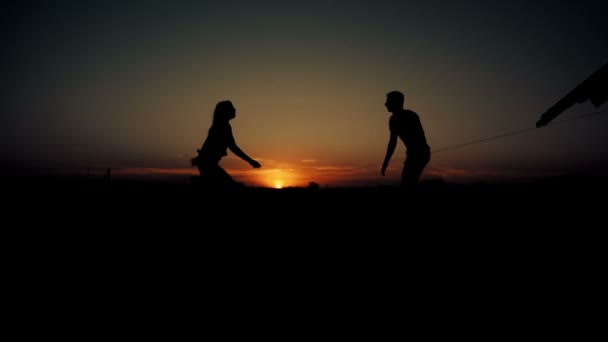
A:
{"x":484,"y":242}
{"x":90,"y":202}
{"x":440,"y":220}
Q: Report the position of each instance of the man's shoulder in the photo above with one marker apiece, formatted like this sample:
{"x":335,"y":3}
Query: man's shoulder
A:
{"x":393,"y":119}
{"x":403,"y":115}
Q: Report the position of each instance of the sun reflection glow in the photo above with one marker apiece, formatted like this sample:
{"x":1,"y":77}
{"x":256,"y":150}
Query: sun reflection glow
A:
{"x":282,"y":177}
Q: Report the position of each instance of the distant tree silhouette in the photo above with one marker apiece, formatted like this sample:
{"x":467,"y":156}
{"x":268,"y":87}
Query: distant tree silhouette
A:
{"x":312,"y":185}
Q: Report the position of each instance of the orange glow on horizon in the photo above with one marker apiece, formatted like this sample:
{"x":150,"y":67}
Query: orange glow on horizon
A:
{"x":273,"y":176}
{"x":278,"y":175}
{"x":153,"y":171}
{"x":280,"y":178}
{"x":291,"y":175}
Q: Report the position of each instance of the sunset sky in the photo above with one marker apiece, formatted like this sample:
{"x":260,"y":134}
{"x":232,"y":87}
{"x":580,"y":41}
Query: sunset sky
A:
{"x":131,"y":86}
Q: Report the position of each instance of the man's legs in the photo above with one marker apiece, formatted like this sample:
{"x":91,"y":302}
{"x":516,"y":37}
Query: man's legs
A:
{"x":412,"y":169}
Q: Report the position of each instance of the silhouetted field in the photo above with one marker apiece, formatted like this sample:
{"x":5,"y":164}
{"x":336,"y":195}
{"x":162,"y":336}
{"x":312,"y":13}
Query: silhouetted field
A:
{"x":493,"y":233}
{"x":435,"y":200}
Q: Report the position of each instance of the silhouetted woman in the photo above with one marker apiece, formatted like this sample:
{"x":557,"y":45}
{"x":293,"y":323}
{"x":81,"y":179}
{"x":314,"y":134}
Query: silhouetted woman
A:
{"x":219,"y":139}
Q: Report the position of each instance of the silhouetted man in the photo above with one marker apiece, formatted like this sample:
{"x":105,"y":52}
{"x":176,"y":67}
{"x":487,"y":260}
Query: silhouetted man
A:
{"x":406,"y":125}
{"x":219,"y":139}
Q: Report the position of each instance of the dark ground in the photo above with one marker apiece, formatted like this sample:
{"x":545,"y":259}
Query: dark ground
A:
{"x":565,"y":214}
{"x":142,"y":202}
{"x":502,"y":248}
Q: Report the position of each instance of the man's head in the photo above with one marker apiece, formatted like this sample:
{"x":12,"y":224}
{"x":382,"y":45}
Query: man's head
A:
{"x":394,"y":101}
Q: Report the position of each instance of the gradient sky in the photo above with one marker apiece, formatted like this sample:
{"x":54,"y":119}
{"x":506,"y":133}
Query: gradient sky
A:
{"x":131,"y":85}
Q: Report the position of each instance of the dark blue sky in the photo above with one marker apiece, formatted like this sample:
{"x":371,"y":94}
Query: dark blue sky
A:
{"x":132,"y":85}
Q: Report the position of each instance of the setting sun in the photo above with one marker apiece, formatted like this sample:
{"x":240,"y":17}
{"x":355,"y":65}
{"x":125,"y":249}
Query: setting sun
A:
{"x":137,"y":98}
{"x":279,"y":177}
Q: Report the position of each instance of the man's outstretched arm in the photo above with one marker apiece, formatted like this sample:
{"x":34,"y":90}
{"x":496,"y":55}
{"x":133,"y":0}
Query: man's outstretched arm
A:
{"x":392,"y":143}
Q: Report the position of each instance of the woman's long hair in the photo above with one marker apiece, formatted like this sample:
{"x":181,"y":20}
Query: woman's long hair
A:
{"x":223,"y":112}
